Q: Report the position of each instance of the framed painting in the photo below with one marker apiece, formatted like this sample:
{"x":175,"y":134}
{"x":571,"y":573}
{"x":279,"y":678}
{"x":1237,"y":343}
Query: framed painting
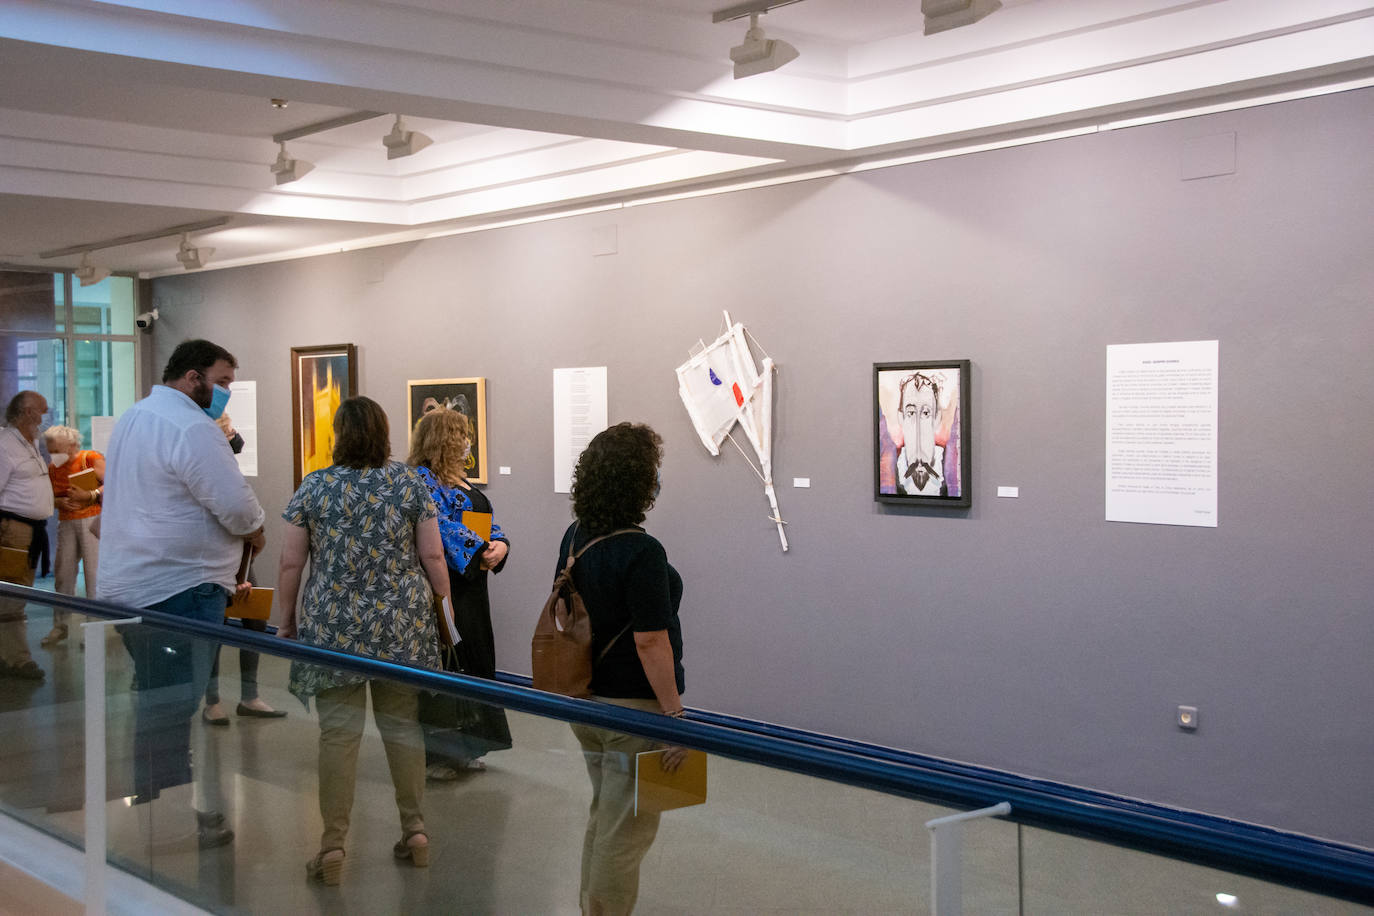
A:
{"x":468,"y":396}
{"x":921,"y":444}
{"x":322,"y":378}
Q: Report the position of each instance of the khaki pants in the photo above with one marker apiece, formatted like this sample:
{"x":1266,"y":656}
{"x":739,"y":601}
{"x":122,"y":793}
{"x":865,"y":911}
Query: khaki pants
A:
{"x":76,"y":544}
{"x":14,"y":639}
{"x":616,"y":840}
{"x":342,"y":714}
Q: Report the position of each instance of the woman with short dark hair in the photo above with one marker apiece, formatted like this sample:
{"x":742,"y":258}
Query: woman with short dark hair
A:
{"x":632,"y":596}
{"x":367,"y":526}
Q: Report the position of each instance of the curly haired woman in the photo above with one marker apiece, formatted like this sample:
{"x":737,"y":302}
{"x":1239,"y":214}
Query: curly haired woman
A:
{"x":632,"y":596}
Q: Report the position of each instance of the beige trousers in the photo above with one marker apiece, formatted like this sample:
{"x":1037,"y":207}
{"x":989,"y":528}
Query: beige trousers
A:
{"x":342,"y":714}
{"x":14,"y":638}
{"x":616,"y":840}
{"x":76,"y":544}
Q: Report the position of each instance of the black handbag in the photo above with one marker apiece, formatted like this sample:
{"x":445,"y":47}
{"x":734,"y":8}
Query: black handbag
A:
{"x":460,"y":726}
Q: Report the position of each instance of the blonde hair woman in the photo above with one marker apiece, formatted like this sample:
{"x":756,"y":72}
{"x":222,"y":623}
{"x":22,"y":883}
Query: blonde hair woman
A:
{"x":473,"y":546}
{"x":77,"y":511}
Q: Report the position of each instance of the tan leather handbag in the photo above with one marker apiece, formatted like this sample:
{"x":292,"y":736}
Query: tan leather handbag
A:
{"x":561,"y":649}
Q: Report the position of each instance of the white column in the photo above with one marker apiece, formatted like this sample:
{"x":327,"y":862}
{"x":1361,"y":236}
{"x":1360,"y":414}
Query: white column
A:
{"x":94,"y":634}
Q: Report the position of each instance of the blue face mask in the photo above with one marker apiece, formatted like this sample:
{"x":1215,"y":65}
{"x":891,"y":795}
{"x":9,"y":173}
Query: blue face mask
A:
{"x":218,"y":401}
{"x":658,"y":485}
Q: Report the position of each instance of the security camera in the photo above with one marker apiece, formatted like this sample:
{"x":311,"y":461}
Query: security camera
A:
{"x":146,"y":319}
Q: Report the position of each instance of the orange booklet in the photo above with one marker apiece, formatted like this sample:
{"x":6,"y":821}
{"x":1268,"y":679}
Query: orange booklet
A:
{"x":14,"y":564}
{"x":478,"y":523}
{"x":443,"y":619}
{"x":257,"y":606}
{"x":657,"y":790}
{"x":86,"y":480}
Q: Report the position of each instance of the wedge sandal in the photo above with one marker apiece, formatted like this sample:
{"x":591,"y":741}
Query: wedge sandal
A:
{"x":418,"y":854}
{"x":326,"y":867}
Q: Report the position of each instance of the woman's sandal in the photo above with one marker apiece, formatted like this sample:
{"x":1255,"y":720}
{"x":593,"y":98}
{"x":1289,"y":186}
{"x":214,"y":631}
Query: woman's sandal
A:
{"x":326,"y":867}
{"x":417,"y":853}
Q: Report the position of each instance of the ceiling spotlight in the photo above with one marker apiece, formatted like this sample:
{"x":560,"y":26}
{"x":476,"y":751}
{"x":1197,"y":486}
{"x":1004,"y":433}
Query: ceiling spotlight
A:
{"x":401,"y":142}
{"x":288,"y":169}
{"x":758,"y":54}
{"x":88,"y":273}
{"x":192,"y":258}
{"x":950,"y":14}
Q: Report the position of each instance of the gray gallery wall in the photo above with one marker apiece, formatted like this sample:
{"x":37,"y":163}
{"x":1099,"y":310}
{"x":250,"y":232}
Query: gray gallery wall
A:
{"x":1028,"y":633}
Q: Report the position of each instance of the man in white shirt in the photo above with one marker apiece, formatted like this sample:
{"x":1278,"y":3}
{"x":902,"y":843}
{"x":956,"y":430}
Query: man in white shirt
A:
{"x":25,"y":504}
{"x":177,"y":513}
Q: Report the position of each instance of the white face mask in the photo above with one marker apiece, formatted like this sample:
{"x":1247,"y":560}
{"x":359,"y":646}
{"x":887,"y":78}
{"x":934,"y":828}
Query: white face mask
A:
{"x":58,"y":459}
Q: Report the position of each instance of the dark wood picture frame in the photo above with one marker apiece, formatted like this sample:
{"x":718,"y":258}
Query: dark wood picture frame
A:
{"x":468,"y":395}
{"x":322,"y":377}
{"x":914,"y":401}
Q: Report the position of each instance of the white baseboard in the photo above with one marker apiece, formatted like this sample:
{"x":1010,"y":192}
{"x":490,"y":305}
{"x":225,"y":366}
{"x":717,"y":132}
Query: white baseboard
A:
{"x":51,"y":862}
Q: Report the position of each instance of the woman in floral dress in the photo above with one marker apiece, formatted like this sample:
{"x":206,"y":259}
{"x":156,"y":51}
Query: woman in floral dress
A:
{"x":367,"y":525}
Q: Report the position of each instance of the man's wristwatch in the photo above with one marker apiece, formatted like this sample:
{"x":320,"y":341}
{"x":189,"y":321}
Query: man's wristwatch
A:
{"x":99,"y":496}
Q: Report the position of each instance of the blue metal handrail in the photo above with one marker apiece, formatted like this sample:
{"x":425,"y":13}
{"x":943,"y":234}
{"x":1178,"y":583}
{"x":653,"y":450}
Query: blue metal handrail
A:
{"x":1322,"y":866}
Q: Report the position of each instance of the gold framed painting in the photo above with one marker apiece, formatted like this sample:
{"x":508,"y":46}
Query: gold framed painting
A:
{"x":468,"y":396}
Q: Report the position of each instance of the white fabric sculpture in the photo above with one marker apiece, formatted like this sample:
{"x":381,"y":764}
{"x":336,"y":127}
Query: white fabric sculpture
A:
{"x":720,"y":387}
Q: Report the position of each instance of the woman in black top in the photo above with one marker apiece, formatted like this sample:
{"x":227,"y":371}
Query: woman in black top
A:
{"x":632,"y":596}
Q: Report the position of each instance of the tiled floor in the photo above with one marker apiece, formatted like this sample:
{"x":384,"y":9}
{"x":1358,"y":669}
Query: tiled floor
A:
{"x":507,"y":841}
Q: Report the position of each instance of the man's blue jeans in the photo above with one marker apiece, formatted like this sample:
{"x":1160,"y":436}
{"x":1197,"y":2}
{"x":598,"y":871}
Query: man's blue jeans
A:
{"x":170,"y":673}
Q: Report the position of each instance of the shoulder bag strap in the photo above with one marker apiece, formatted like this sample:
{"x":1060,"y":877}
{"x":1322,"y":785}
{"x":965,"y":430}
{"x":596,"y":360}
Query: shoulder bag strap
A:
{"x":568,"y":571}
{"x":596,"y":540}
{"x":614,"y":640}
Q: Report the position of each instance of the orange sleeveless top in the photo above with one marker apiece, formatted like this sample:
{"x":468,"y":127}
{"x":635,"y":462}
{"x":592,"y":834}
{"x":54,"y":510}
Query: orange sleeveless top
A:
{"x":60,"y":486}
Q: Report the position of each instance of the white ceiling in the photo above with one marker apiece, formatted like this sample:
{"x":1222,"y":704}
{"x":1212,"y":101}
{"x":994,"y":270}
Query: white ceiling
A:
{"x":118,"y":118}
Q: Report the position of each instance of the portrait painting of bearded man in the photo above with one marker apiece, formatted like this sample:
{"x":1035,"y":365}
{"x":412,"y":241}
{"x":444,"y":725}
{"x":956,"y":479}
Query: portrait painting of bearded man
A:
{"x":921,"y":431}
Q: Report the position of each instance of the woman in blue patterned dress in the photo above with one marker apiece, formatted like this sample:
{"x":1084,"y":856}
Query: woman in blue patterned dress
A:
{"x":439,"y":451}
{"x":367,"y":526}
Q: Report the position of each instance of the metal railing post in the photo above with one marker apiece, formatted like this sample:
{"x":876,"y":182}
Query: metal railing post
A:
{"x":93,"y":633}
{"x":947,"y":858}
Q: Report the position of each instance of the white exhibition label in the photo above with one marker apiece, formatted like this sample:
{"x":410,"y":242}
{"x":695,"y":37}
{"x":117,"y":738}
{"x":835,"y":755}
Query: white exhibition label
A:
{"x":243,"y":418}
{"x":579,"y":413}
{"x":1162,"y":433}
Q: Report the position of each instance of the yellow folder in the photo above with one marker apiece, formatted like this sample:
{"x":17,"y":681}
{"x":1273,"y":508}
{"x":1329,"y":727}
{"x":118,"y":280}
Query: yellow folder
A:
{"x":14,"y":564}
{"x":657,"y":790}
{"x":479,"y":523}
{"x":86,"y":480}
{"x":257,"y":606}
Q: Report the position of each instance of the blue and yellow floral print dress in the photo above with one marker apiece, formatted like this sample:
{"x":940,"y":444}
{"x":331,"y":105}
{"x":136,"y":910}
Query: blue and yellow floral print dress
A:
{"x":367,"y":592}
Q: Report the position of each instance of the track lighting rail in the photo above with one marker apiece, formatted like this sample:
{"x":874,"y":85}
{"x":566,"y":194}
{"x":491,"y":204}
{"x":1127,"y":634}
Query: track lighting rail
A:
{"x":321,"y":126}
{"x":740,"y":10}
{"x":137,"y":237}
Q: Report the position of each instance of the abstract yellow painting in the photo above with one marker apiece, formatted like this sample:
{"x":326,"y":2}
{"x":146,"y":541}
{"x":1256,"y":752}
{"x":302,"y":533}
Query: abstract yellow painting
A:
{"x":322,"y":378}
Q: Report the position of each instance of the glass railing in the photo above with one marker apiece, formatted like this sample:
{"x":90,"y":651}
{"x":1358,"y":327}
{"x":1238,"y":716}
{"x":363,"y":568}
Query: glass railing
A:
{"x":563,"y":802}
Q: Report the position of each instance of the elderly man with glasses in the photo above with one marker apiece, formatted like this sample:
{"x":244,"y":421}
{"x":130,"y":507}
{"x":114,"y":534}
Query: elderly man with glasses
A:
{"x":26,"y":502}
